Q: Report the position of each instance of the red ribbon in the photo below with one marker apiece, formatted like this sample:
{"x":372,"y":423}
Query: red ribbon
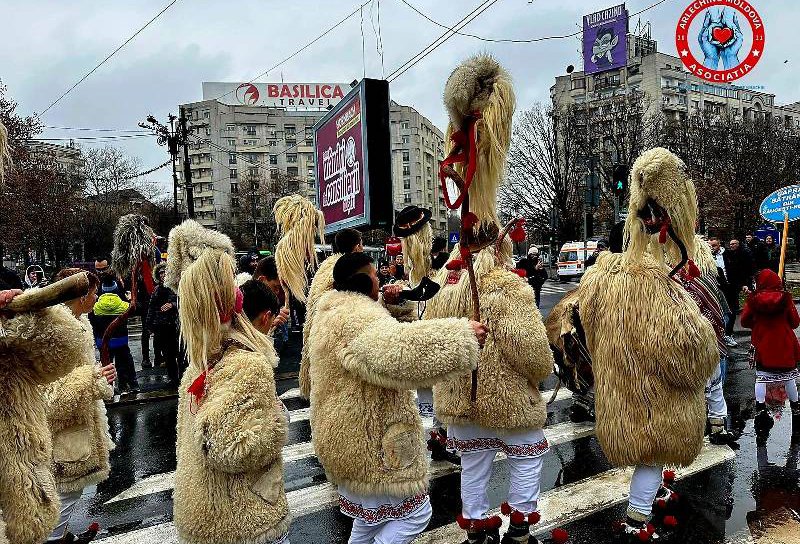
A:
{"x":197,"y":390}
{"x":464,"y":151}
{"x":147,"y":276}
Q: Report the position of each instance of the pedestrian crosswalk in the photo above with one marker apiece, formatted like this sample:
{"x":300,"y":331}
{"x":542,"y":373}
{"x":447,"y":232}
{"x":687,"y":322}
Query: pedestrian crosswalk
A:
{"x":310,"y":495}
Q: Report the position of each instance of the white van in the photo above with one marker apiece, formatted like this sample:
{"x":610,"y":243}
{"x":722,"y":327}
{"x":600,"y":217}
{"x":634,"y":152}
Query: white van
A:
{"x":572,"y":259}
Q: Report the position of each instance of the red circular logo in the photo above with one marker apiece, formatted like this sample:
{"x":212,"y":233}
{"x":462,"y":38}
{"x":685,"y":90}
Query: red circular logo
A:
{"x":726,"y":50}
{"x":247,"y":93}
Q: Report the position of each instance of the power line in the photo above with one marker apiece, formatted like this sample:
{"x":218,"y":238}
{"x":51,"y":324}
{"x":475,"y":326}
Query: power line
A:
{"x":114,"y":52}
{"x":510,"y":40}
{"x":468,"y":18}
{"x":99,"y":138}
{"x":303,"y":48}
{"x":94,"y":129}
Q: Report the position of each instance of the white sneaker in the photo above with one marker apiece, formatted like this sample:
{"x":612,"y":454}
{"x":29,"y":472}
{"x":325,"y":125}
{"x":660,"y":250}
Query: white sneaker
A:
{"x":730,"y":341}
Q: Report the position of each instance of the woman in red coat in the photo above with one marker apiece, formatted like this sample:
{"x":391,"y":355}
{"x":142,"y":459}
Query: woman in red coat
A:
{"x":771,"y":313}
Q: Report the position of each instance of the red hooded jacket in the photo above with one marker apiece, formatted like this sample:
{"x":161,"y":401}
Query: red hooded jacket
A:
{"x":771,"y":313}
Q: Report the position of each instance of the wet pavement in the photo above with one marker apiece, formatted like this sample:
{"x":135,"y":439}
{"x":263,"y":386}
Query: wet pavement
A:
{"x":727,"y":500}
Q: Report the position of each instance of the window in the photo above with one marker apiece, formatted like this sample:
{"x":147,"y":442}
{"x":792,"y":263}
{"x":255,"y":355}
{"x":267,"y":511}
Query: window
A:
{"x":291,"y":157}
{"x":310,"y":173}
{"x":234,"y":202}
{"x":406,"y":170}
{"x":290,"y":130}
{"x":252,"y":171}
{"x":206,"y":114}
{"x":208,"y":131}
{"x":291,"y":142}
{"x":407,"y":198}
{"x":405,"y":156}
{"x":272,"y":143}
{"x":406,"y":183}
{"x":234,"y":188}
{"x":404,"y":124}
{"x":578,"y":83}
{"x":696,"y":104}
{"x":271,"y":130}
{"x":273,"y":173}
{"x":234,"y":173}
{"x":253,"y":157}
{"x":250,"y":130}
{"x":231,"y":142}
{"x":230,"y":128}
{"x":231,"y":158}
{"x":291,"y":171}
{"x":406,"y":139}
{"x":251,"y":142}
{"x":293,"y":185}
{"x":273,"y":159}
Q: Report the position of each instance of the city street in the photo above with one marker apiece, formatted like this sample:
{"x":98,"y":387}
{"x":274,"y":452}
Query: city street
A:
{"x":724,"y":492}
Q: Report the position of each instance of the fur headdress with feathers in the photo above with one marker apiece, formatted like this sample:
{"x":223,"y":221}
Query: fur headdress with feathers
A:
{"x":299,"y":223}
{"x":660,"y":176}
{"x":134,"y":243}
{"x":480,"y":85}
{"x":5,"y":153}
{"x":186,"y":243}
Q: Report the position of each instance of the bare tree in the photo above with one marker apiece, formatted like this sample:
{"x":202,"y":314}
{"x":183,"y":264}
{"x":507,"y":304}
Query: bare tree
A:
{"x":545,"y":171}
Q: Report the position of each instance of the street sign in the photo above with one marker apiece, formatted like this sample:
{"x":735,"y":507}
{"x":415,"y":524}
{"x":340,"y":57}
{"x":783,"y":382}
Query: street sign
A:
{"x":454,"y":238}
{"x":783,"y":201}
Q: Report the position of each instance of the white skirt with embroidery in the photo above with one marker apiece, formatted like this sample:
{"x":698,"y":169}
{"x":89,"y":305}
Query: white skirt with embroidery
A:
{"x":376,"y":509}
{"x":764,"y":376}
{"x":472,"y":438}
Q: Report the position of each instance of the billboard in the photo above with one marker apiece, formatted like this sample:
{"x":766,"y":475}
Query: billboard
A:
{"x":276,"y":95}
{"x":605,"y":42}
{"x":353,"y":160}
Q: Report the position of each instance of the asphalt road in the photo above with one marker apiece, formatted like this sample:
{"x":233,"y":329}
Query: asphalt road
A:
{"x":725,"y":493}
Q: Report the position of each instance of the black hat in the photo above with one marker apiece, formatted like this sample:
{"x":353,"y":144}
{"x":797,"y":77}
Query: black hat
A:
{"x":410,"y":220}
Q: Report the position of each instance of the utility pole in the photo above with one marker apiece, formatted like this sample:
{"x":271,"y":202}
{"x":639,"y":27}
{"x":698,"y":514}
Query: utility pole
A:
{"x":172,"y":139}
{"x":253,"y":197}
{"x":187,"y":169}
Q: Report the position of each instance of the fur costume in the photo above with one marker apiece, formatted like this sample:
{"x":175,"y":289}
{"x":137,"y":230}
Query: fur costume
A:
{"x":299,"y":222}
{"x":637,"y":317}
{"x":366,"y":427}
{"x":186,"y":242}
{"x":515,"y":358}
{"x":134,"y":244}
{"x":481,"y":85}
{"x":76,"y":414}
{"x":231,"y":426}
{"x":37,"y":348}
{"x":3,"y":539}
{"x":417,"y":250}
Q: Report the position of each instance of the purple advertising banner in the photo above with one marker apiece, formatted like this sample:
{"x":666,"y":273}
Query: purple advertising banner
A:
{"x":605,"y":43}
{"x":341,"y":168}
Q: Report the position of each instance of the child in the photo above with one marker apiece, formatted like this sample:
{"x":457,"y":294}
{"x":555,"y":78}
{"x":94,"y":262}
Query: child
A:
{"x":385,"y":275}
{"x":162,"y":320}
{"x":771,"y":314}
{"x":107,"y":308}
{"x":260,"y":305}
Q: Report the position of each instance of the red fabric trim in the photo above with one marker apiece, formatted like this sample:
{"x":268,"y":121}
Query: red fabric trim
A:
{"x":464,"y":151}
{"x":147,"y":276}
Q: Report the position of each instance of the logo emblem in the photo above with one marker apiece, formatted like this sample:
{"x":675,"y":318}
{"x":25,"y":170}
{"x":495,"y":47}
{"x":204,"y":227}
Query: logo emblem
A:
{"x":350,"y":152}
{"x":720,"y":40}
{"x":247,"y":94}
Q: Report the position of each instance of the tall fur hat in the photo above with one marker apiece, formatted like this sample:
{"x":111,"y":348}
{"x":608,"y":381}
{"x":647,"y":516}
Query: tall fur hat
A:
{"x":186,"y":242}
{"x":659,"y":174}
{"x":134,"y":241}
{"x":299,"y":222}
{"x":481,"y":85}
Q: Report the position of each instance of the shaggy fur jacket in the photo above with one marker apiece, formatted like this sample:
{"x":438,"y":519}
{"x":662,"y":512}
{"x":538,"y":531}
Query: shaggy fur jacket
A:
{"x":3,"y":539}
{"x":37,"y":349}
{"x":515,"y":358}
{"x":366,"y":426}
{"x":76,"y":414}
{"x":229,"y":478}
{"x":652,"y":353}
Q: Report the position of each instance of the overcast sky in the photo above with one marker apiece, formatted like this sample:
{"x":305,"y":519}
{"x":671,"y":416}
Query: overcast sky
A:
{"x":45,"y":46}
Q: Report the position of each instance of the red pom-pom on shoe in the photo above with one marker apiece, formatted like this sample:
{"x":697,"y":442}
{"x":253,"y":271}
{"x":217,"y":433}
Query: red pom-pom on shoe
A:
{"x":651,"y":528}
{"x":670,"y":521}
{"x":644,"y":536}
{"x":669,"y":476}
{"x":534,"y":518}
{"x":493,"y":522}
{"x":505,"y":509}
{"x":94,"y":526}
{"x":661,"y":503}
{"x":455,"y":264}
{"x":469,"y":220}
{"x":463,"y":522}
{"x":517,"y":518}
{"x":560,"y":536}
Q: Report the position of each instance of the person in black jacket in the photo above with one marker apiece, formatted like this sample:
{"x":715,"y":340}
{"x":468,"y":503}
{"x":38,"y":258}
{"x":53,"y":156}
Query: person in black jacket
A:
{"x":439,"y":254}
{"x":739,"y":273}
{"x":535,"y":272}
{"x":162,"y":320}
{"x":10,"y":278}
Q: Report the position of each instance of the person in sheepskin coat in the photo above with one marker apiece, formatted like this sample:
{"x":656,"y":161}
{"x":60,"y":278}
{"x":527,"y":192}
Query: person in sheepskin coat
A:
{"x":76,"y":414}
{"x":365,"y":365}
{"x":636,"y":316}
{"x":231,"y":425}
{"x":36,"y":348}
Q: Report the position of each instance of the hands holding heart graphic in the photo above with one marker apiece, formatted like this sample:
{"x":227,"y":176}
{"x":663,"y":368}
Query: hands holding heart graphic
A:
{"x":721,"y":39}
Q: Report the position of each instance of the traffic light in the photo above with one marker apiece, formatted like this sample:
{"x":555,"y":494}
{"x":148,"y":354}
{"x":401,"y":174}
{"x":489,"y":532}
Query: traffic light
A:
{"x":619,"y":181}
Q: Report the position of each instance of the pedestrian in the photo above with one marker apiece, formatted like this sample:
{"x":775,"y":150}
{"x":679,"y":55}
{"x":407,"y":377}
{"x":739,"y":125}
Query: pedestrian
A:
{"x":249,"y":262}
{"x":231,"y":427}
{"x":384,"y":273}
{"x":754,"y":245}
{"x":739,"y":272}
{"x":535,"y":272}
{"x":602,"y":246}
{"x":107,"y":308}
{"x":141,"y":309}
{"x":266,"y":272}
{"x":34,"y":277}
{"x":77,"y":416}
{"x":364,"y":365}
{"x":162,"y":320}
{"x":771,"y":314}
{"x":399,"y":270}
{"x":260,"y":305}
{"x":10,"y":277}
{"x":770,"y":255}
{"x":718,"y":252}
{"x":439,"y":254}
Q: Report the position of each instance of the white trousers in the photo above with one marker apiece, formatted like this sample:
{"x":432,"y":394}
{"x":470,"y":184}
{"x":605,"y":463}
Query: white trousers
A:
{"x":476,"y":471}
{"x":715,"y":400}
{"x":790,"y":385}
{"x":68,"y":502}
{"x":400,"y":531}
{"x":645,"y":483}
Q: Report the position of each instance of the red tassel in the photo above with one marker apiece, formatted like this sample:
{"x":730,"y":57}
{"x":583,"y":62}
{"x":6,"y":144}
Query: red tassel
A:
{"x":455,"y":264}
{"x":505,"y":509}
{"x":534,"y":517}
{"x":670,"y":521}
{"x":518,"y":234}
{"x":662,"y":234}
{"x":560,"y":536}
{"x":692,"y":270}
{"x":493,"y":522}
{"x":198,"y":386}
{"x":669,"y":476}
{"x":517,"y":518}
{"x":651,"y":528}
{"x":469,"y":220}
{"x":644,"y":536}
{"x":520,"y":272}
